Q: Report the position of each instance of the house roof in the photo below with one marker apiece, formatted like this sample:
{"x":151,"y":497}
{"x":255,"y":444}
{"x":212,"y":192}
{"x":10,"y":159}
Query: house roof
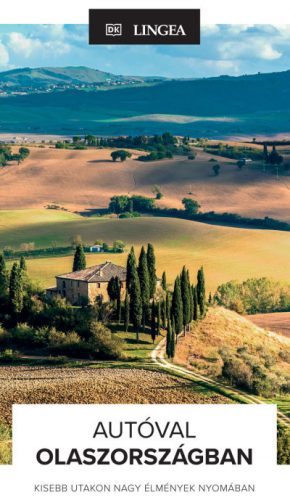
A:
{"x":101,"y":272}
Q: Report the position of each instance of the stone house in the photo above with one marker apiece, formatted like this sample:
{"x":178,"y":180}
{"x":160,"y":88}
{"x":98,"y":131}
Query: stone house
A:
{"x":89,"y":284}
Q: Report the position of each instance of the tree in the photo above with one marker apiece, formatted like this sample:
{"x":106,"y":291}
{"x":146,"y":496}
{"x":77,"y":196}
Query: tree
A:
{"x":23,"y":153}
{"x":156,"y":190}
{"x":126,"y":312}
{"x":151,"y":269}
{"x":274,"y":158}
{"x":200,"y":288}
{"x":135,"y":303}
{"x":144,"y":285}
{"x":15,"y":290}
{"x":131,"y":268}
{"x":168,"y":339}
{"x":163,"y":281}
{"x":195,"y":303}
{"x":185,"y":296}
{"x":22,"y":263}
{"x":153,"y":321}
{"x":118,"y":246}
{"x":191,"y":207}
{"x":177,"y":307}
{"x":79,"y":262}
{"x":216,"y":168}
{"x":120,"y":154}
{"x":119,"y":204}
{"x":241,"y":164}
{"x":168,"y":306}
{"x":265,"y":153}
{"x":3,"y":276}
{"x":158,"y":318}
{"x":173,"y":339}
{"x":114,"y":288}
{"x":163,"y":313}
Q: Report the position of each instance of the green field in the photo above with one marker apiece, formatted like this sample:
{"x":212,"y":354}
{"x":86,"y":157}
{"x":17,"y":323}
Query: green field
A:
{"x":226,"y":253}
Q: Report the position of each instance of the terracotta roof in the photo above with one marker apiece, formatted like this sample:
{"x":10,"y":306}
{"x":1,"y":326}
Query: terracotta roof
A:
{"x":94,"y":274}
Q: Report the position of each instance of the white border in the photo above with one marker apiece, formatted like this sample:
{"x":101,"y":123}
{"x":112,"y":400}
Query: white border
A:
{"x":212,"y":11}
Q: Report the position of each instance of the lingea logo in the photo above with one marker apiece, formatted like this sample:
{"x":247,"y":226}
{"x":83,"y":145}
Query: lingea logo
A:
{"x":144,"y":26}
{"x":159,"y":30}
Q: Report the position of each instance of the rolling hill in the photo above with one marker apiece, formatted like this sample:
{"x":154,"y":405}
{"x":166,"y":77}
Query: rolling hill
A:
{"x":85,"y":180}
{"x":19,"y":78}
{"x":227,"y":253}
{"x":210,"y":107}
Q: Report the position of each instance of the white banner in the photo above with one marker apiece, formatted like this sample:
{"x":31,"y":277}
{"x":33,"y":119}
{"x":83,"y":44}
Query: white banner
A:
{"x":143,"y":451}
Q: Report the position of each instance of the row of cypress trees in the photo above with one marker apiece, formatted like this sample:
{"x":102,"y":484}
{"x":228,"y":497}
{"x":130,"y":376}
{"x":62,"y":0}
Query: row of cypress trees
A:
{"x":188,"y":303}
{"x":12,"y":285}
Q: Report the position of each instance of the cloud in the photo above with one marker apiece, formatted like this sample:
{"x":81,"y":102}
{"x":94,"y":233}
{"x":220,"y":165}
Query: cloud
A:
{"x":4,"y":56}
{"x":250,"y":48}
{"x":27,"y":46}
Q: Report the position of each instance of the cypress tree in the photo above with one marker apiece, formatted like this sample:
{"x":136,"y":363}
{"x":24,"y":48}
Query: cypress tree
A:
{"x":201,"y":291}
{"x":209,"y":298}
{"x":151,"y":269}
{"x":144,"y":285}
{"x":177,"y":306}
{"x":153,"y":321}
{"x":135,"y":303}
{"x":163,"y":313}
{"x":173,"y":339}
{"x":195,"y":304}
{"x":131,"y":268}
{"x":163,"y":281}
{"x":79,"y":259}
{"x":16,"y":290}
{"x":126,"y":312}
{"x":22,"y":263}
{"x":168,"y":306}
{"x":158,"y":318}
{"x":191,"y":290}
{"x":168,"y":339}
{"x":3,"y":276}
{"x":185,"y":295}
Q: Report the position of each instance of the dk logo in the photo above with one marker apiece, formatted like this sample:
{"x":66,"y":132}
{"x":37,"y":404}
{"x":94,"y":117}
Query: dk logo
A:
{"x":113,"y":29}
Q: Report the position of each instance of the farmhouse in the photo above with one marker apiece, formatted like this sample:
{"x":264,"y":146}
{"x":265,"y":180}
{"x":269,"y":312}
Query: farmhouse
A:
{"x":89,"y":284}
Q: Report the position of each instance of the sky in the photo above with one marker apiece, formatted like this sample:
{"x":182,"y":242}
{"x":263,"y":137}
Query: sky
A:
{"x":224,"y":49}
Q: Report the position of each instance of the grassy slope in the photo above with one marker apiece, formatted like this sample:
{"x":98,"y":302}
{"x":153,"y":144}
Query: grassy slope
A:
{"x":226,"y":253}
{"x":223,"y":329}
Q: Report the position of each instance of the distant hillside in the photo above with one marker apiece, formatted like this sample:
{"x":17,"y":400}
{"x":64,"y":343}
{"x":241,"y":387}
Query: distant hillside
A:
{"x":44,"y":77}
{"x":210,"y":107}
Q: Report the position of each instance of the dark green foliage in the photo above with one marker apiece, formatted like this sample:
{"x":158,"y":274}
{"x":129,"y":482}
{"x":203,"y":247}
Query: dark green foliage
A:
{"x":283,"y":445}
{"x":163,"y":313}
{"x":22,"y":263}
{"x":136,"y":303}
{"x":121,"y":155}
{"x":210,"y":298}
{"x":158,"y":318}
{"x":185,"y":295}
{"x":190,"y":206}
{"x":16,"y":290}
{"x":151,"y":269}
{"x":144,"y":285}
{"x":195,"y":304}
{"x":173,"y":339}
{"x":153,"y":321}
{"x":114,"y":288}
{"x":274,"y":158}
{"x":177,"y":306}
{"x":131,"y":268}
{"x":168,"y":339}
{"x":168,"y":304}
{"x":200,"y":288}
{"x":163,"y":281}
{"x":3,"y":276}
{"x":121,"y":204}
{"x":79,"y":262}
{"x":126,"y":312}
